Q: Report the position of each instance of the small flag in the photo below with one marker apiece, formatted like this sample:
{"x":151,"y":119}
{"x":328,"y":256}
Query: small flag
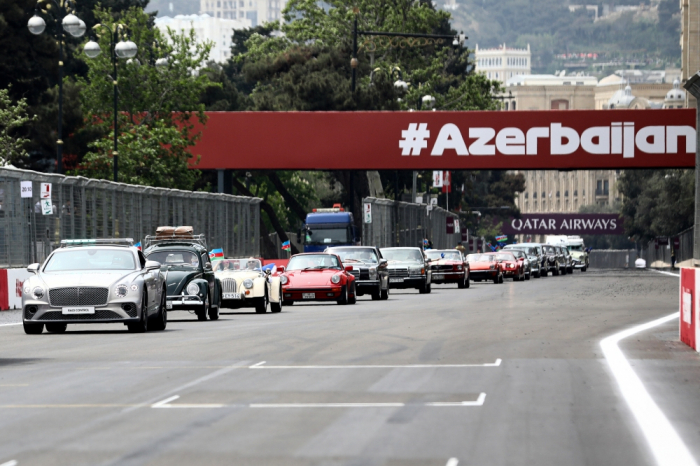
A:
{"x":216,"y":254}
{"x":502,"y":238}
{"x":138,"y":245}
{"x":287,"y":246}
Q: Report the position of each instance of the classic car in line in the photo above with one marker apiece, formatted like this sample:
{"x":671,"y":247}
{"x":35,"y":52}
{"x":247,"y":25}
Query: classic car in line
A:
{"x":555,"y":261}
{"x":510,"y":266}
{"x":189,"y":277}
{"x":94,"y":281}
{"x":448,"y":266}
{"x":317,"y":277}
{"x":368,"y":267}
{"x":245,"y":283}
{"x":521,"y":257}
{"x":483,"y":266}
{"x":408,"y":268}
{"x":533,"y":252}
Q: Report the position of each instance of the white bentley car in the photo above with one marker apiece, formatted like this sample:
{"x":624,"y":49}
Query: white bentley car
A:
{"x":244,"y":283}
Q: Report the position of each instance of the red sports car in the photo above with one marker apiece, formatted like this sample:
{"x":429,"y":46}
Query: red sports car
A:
{"x":317,"y":277}
{"x":484,"y":267}
{"x":510,"y":265}
{"x":448,"y":266}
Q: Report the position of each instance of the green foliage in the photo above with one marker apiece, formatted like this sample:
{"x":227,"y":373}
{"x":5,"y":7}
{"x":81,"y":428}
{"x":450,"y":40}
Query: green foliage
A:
{"x":605,"y":241}
{"x":13,"y":116}
{"x":657,"y":202}
{"x":159,"y":107}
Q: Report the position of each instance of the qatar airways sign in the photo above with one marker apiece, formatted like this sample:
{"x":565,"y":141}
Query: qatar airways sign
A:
{"x":515,"y":140}
{"x":564,"y":224}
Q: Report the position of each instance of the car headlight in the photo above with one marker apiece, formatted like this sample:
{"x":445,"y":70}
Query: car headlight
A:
{"x":372,"y":273}
{"x":459,"y":267}
{"x":38,"y":292}
{"x":121,"y":291}
{"x":284,"y":280}
{"x":335,"y":279}
{"x":248,"y":283}
{"x":416,"y":271}
{"x":192,"y":289}
{"x":492,"y":267}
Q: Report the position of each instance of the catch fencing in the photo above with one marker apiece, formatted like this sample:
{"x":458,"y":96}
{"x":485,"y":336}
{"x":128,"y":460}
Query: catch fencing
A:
{"x":659,"y":255}
{"x":88,"y":208}
{"x":612,"y":258}
{"x":395,"y":223}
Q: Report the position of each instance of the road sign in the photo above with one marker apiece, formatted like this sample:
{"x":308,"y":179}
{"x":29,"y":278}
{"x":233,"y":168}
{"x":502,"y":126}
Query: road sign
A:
{"x":437,"y":179}
{"x":26,"y":188}
{"x":46,"y":207}
{"x":457,"y":226}
{"x":368,"y":212}
{"x":45,"y":191}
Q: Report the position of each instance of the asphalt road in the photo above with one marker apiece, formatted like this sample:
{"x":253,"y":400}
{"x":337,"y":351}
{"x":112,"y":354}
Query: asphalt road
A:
{"x":508,"y":374}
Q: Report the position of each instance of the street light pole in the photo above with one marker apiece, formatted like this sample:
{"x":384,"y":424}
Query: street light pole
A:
{"x":115,"y":154}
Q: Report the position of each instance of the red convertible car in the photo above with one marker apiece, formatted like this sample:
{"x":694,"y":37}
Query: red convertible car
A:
{"x":448,"y":266}
{"x":510,"y":265}
{"x":317,"y":277}
{"x":485,"y":267}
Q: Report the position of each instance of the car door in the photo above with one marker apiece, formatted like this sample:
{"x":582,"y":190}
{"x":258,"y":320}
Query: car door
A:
{"x":208,"y":275}
{"x":148,"y":282}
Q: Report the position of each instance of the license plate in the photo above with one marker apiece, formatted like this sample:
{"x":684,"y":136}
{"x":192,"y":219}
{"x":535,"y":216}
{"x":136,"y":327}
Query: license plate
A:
{"x":168,"y":305}
{"x":78,"y":310}
{"x":232,"y":296}
{"x":396,"y":280}
{"x":308,"y":295}
{"x":438,"y":275}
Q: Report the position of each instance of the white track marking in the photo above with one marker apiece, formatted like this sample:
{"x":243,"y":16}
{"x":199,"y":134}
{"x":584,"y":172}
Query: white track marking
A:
{"x":668,"y":448}
{"x":8,"y":325}
{"x":666,"y":273}
{"x":327,"y":405}
{"x":479,"y":402}
{"x":10,"y":463}
{"x":407,"y":366}
{"x":452,"y":462}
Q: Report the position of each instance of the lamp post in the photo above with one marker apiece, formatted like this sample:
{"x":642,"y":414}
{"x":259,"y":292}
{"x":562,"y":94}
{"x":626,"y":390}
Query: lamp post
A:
{"x":73,"y":26}
{"x":118,"y":49}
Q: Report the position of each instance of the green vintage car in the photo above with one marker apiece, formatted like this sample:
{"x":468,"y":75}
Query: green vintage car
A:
{"x":189,"y":277}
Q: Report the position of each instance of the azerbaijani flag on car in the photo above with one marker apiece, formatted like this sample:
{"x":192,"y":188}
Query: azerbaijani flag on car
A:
{"x":502,"y":238}
{"x":138,"y":245}
{"x":287,"y":246}
{"x":216,"y":254}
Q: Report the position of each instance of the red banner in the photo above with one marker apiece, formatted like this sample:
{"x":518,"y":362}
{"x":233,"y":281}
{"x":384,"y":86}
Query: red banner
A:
{"x":568,"y":139}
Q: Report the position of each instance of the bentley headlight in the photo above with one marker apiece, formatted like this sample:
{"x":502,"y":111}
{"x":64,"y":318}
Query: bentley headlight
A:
{"x":121,"y":291}
{"x":192,"y":289}
{"x":372,"y":273}
{"x":335,"y":279}
{"x":248,"y":283}
{"x":284,"y":280}
{"x":38,"y":292}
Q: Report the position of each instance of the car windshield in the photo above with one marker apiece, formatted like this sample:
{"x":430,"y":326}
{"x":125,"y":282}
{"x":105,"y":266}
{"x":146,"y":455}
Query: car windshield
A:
{"x":575,"y":247}
{"x":91,"y":259}
{"x":480,"y":258}
{"x":326,"y":236}
{"x":356,"y":254}
{"x":447,"y":255}
{"x":504,"y":257}
{"x":314,"y":261}
{"x":237,"y":265}
{"x":517,"y":253}
{"x":175,"y":258}
{"x":403,"y":255}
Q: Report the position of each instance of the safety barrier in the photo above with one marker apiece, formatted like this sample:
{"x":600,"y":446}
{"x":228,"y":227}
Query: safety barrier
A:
{"x":612,"y":258}
{"x":393,"y":223}
{"x":86,"y":208}
{"x":11,"y":284}
{"x":657,"y":252}
{"x":689,"y":306}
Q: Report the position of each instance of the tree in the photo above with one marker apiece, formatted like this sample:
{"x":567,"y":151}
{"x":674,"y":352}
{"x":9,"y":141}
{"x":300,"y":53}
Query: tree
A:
{"x":13,"y":116}
{"x":159,"y":107}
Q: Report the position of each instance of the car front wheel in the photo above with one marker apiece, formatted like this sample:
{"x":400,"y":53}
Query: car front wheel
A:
{"x":203,"y":310}
{"x":142,"y":325}
{"x":160,"y":320}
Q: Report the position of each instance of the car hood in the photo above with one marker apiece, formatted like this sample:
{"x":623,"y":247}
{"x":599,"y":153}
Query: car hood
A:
{"x":361,"y":265}
{"x":92,"y":278}
{"x":403,"y":264}
{"x":300,"y":278}
{"x":481,"y":265}
{"x":238,"y":275}
{"x":177,"y":280}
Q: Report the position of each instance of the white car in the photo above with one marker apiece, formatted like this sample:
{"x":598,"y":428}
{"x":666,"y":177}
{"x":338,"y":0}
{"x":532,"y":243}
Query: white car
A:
{"x":244,"y":283}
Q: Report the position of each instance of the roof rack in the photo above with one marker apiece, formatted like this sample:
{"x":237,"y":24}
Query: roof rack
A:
{"x":72,"y":243}
{"x":172,"y":235}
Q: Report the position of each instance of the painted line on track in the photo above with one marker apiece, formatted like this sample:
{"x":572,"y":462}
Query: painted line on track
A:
{"x":166,"y":403}
{"x":10,"y":463}
{"x":9,"y":325}
{"x":666,"y":273}
{"x":668,"y":448}
{"x":452,"y":462}
{"x":261,"y":365}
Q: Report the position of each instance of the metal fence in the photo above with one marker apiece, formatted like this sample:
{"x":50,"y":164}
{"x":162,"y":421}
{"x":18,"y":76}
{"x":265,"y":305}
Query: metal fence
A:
{"x":405,"y":224}
{"x":661,"y":256}
{"x":88,"y":208}
{"x":612,"y":258}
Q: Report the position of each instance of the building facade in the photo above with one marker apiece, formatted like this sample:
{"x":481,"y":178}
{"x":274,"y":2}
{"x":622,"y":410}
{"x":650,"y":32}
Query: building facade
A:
{"x":502,"y":63}
{"x":258,"y":12}
{"x":690,"y":43}
{"x":549,"y":92}
{"x":217,"y":30}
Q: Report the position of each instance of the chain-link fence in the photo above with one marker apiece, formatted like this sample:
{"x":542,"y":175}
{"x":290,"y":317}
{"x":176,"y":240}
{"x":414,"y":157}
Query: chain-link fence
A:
{"x":405,"y":224}
{"x":657,"y":252}
{"x":88,"y":208}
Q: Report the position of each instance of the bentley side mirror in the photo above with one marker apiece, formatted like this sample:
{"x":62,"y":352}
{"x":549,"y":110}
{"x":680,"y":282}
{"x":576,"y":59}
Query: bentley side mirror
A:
{"x":152,"y":265}
{"x":280,"y":268}
{"x":33,"y":268}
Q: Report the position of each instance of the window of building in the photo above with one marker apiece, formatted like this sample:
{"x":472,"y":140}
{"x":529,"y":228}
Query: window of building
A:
{"x":514,"y":108}
{"x":534,"y":195}
{"x":560,"y":104}
{"x":544,"y":205}
{"x":575,"y":192}
{"x":544,"y":195}
{"x":218,"y":4}
{"x":558,"y":194}
{"x":566,"y":193}
{"x":506,"y":106}
{"x":606,"y":187}
{"x":527,"y":195}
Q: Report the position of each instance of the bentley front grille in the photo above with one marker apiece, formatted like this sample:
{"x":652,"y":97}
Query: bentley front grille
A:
{"x":228,"y":285}
{"x":398,"y":272}
{"x":98,"y":315}
{"x":78,"y":296}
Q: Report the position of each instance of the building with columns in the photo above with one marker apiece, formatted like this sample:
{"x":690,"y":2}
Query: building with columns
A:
{"x":502,"y":63}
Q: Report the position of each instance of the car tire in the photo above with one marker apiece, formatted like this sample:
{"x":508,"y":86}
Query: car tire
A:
{"x":203,"y":310}
{"x":287,"y":303}
{"x":33,"y":329}
{"x":462,"y":283}
{"x":544,"y":272}
{"x":555,"y":272}
{"x":214,"y":311}
{"x":276,"y":307}
{"x":261,"y":304}
{"x":343,"y":296}
{"x":570,"y":270}
{"x":160,"y":320}
{"x":56,"y":328}
{"x":377,"y":295}
{"x":496,"y":279}
{"x":353,"y":296}
{"x":500,"y":278}
{"x":584,"y":269}
{"x":528,"y":275}
{"x":468,"y":282}
{"x":385,"y":293}
{"x":142,"y":325}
